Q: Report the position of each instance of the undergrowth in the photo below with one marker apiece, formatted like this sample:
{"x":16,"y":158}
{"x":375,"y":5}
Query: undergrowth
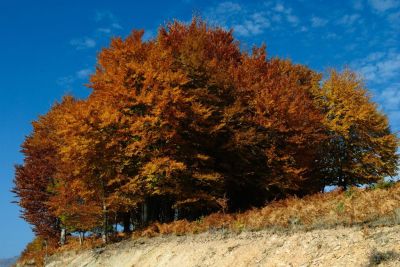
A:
{"x":374,"y":206}
{"x":371,"y":206}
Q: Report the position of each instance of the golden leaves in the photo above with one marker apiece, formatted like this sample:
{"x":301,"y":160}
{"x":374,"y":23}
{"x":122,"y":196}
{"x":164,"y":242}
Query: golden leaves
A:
{"x":190,"y":119}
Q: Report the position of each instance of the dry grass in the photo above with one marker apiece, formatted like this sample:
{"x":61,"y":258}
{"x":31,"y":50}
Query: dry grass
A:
{"x":355,"y":206}
{"x":37,"y":251}
{"x":379,"y":206}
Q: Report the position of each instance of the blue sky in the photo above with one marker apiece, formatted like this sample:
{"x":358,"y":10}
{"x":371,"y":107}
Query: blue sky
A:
{"x":48,"y":49}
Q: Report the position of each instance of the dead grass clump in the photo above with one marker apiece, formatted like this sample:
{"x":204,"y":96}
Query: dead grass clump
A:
{"x":354,"y":206}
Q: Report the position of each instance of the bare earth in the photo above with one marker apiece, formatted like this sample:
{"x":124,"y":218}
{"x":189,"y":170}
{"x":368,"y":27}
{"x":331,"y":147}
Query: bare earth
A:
{"x":353,"y":246}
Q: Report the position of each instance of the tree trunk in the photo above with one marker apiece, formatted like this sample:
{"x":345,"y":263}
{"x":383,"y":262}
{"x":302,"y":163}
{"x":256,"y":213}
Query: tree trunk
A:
{"x":343,"y":183}
{"x":176,"y":214}
{"x":104,"y":234}
{"x":126,"y":220}
{"x":62,"y":236}
{"x":115,"y":223}
{"x":46,"y":254}
{"x":145,"y":214}
{"x":81,"y":237}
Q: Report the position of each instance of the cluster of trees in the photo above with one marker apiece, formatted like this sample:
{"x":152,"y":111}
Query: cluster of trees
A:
{"x":186,"y":124}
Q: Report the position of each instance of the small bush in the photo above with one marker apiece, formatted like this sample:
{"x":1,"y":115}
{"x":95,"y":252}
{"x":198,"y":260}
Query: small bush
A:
{"x":377,"y":257}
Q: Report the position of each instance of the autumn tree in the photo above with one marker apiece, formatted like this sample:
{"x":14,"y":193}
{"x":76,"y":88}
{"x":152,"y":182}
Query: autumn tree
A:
{"x":35,"y":179}
{"x":275,"y":130}
{"x":186,"y":124}
{"x":361,"y":148}
{"x":170,"y":93}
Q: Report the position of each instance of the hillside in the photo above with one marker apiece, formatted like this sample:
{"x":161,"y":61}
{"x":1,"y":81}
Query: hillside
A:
{"x":358,"y":227}
{"x":352,"y":246}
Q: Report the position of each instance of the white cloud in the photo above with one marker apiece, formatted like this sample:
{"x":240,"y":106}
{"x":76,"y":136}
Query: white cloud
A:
{"x":116,"y":25}
{"x":390,"y":97}
{"x":375,"y":56}
{"x":379,"y":67}
{"x":390,"y":67}
{"x":245,"y":21}
{"x":276,"y":18}
{"x":224,"y":14}
{"x":109,"y":29}
{"x":108,"y":21}
{"x":358,"y":4}
{"x":318,"y":22}
{"x":104,"y":15}
{"x":279,"y":7}
{"x":256,"y":24}
{"x":83,"y":43}
{"x":104,"y":30}
{"x":228,"y":7}
{"x":253,"y":19}
{"x":389,"y":100}
{"x":394,"y":19}
{"x":148,"y":35}
{"x":331,"y":36}
{"x":348,"y":20}
{"x":294,"y":20}
{"x":286,"y":12}
{"x":381,"y":6}
{"x":303,"y":29}
{"x":83,"y":73}
{"x":66,"y":81}
{"x":381,"y":71}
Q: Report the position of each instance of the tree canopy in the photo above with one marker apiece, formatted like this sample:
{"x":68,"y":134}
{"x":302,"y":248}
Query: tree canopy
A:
{"x":181,"y":123}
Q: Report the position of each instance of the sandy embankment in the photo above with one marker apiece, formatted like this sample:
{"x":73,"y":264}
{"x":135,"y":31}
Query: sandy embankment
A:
{"x":334,"y":247}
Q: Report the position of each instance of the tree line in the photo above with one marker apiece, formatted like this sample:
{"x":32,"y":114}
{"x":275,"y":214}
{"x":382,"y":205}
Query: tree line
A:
{"x":188,"y":123}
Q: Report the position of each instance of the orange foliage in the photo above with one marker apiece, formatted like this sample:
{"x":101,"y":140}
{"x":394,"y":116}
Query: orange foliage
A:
{"x":187,"y":124}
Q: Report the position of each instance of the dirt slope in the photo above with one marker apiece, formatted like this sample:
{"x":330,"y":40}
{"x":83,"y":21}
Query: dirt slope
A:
{"x":354,"y":246}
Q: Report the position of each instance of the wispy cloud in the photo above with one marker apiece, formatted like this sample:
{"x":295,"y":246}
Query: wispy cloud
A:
{"x":83,"y":73}
{"x":83,"y":43}
{"x":107,"y":24}
{"x":318,"y":22}
{"x":104,"y":30}
{"x":394,"y":19}
{"x":331,"y":36}
{"x":358,"y":4}
{"x":287,"y":13}
{"x":381,"y":6}
{"x":390,"y":97}
{"x":381,"y":71}
{"x":348,"y":20}
{"x":243,"y":20}
{"x":104,"y":15}
{"x":379,"y":67}
{"x":225,"y":14}
{"x":67,"y":82}
{"x":148,"y":34}
{"x":228,"y":7}
{"x":251,"y":19}
{"x":108,"y":21}
{"x":256,"y":24}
